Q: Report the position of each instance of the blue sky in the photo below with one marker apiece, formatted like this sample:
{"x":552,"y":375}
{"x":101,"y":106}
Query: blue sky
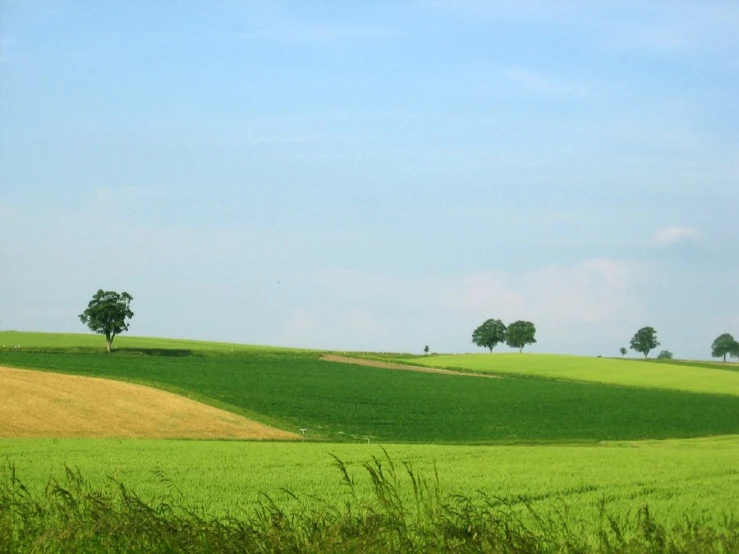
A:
{"x":375,"y":175}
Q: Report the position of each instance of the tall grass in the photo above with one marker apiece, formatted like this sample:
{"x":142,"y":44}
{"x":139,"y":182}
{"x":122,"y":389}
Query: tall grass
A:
{"x":72,"y":516}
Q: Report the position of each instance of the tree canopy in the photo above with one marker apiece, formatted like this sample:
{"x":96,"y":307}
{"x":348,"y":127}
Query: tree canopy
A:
{"x":520,"y":333}
{"x":107,"y":313}
{"x":723,"y":345}
{"x":645,"y":340}
{"x":489,"y":334}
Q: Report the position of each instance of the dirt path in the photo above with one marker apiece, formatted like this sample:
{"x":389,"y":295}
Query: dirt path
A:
{"x":404,"y":367}
{"x":37,"y":404}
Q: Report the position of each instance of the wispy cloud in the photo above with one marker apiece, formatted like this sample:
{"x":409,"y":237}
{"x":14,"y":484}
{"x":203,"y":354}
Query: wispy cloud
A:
{"x":366,"y":310}
{"x":671,"y":236}
{"x":307,"y":33}
{"x":538,"y":83}
{"x":667,"y":28}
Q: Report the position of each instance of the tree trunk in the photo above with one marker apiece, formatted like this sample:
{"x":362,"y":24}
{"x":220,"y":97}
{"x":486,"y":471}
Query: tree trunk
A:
{"x":520,"y":351}
{"x":724,"y":357}
{"x":108,"y":342}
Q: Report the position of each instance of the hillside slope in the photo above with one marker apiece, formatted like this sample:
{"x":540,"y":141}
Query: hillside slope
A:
{"x":634,"y":373}
{"x":41,"y":404}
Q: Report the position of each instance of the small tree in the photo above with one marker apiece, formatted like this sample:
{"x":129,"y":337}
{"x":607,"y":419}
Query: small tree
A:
{"x":520,"y":333}
{"x":645,"y":340}
{"x":489,"y":334}
{"x":623,"y":351}
{"x":665,"y":355}
{"x":723,"y":345}
{"x":426,"y":349}
{"x":107,"y":313}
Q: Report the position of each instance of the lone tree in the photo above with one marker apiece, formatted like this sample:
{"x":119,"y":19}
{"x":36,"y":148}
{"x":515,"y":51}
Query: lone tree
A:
{"x":520,"y":333}
{"x":665,"y":355}
{"x":723,"y":345}
{"x":426,"y":349}
{"x":489,"y":334}
{"x":623,"y":351}
{"x":645,"y":340}
{"x":106,"y":314}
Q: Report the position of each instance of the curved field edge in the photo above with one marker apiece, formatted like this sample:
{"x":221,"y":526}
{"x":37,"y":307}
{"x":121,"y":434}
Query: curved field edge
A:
{"x":682,"y":377}
{"x":183,"y":392}
{"x":342,"y":402}
{"x":44,"y":404}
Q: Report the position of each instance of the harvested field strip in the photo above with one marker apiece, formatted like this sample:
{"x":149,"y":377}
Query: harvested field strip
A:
{"x":40,"y":404}
{"x":405,"y":367}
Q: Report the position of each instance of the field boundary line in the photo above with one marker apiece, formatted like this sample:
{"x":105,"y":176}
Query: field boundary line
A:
{"x":402,"y":367}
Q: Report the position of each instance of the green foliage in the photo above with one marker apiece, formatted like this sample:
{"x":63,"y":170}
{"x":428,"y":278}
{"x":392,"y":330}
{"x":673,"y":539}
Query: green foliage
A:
{"x":665,"y":355}
{"x":520,"y":333}
{"x":342,"y":402}
{"x":107,"y":314}
{"x":489,"y":334}
{"x":623,"y":351}
{"x":723,"y":345}
{"x":644,"y":340}
{"x":426,"y":349}
{"x":406,"y":512}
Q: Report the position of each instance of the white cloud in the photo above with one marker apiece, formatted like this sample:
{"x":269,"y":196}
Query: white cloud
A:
{"x":572,"y":306}
{"x":671,"y":236}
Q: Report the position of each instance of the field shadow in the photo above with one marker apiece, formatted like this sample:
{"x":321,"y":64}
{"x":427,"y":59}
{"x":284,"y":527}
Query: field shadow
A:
{"x":166,"y":352}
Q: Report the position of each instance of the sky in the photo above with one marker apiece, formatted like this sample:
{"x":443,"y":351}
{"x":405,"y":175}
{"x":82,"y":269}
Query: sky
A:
{"x":374,"y":175}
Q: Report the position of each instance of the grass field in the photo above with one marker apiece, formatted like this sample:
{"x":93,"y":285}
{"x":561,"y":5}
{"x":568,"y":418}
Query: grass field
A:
{"x":71,"y":341}
{"x":335,"y":401}
{"x":531,"y":440}
{"x":691,"y":377}
{"x":696,"y":476}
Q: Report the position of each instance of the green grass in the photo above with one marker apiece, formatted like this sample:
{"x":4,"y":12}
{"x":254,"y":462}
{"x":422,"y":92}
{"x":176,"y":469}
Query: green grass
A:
{"x":542,"y":422}
{"x":406,"y":511}
{"x":338,"y":402}
{"x":566,"y":485}
{"x":691,"y":377}
{"x":678,"y":476}
{"x":719,"y":365}
{"x":71,"y":341}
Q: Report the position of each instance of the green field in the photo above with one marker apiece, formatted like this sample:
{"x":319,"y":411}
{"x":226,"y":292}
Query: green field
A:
{"x":692,"y":377}
{"x":563,"y":436}
{"x":698,"y":476}
{"x":342,"y":402}
{"x":9,"y":340}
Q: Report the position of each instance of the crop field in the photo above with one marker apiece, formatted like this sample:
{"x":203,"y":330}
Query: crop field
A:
{"x":336,"y":401}
{"x":44,"y":404}
{"x":584,"y":456}
{"x":691,"y":377}
{"x":698,"y":476}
